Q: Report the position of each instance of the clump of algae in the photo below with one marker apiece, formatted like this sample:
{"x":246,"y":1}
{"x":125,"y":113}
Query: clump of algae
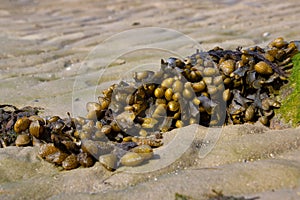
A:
{"x":290,"y":108}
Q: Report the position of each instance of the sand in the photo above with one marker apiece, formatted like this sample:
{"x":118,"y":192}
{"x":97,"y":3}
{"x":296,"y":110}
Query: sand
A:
{"x":54,"y":54}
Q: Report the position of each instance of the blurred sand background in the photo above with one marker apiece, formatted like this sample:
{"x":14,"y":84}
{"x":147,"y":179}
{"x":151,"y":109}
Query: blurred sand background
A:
{"x":43,"y":45}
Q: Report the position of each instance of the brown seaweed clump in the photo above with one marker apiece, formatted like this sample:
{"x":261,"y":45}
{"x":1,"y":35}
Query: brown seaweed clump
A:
{"x":121,"y":129}
{"x":13,"y":122}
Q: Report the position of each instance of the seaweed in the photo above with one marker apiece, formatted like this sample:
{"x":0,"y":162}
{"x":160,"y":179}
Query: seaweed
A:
{"x":290,"y":108}
{"x":218,"y":195}
{"x":215,"y":195}
{"x":8,"y":116}
{"x":182,"y":197}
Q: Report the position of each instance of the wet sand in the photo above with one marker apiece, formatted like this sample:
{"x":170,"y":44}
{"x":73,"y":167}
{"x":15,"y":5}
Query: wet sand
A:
{"x":44,"y":46}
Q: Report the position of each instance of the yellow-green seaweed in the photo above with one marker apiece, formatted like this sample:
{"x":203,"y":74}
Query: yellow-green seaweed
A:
{"x":290,"y":108}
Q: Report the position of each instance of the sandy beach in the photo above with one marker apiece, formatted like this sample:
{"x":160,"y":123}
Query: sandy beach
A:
{"x":58,"y":55}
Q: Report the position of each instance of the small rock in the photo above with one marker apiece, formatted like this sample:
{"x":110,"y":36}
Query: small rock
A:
{"x":266,"y":34}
